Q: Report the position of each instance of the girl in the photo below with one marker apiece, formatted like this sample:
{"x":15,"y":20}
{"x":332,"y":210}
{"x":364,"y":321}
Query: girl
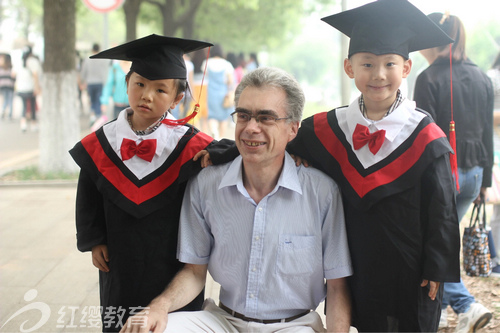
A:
{"x":133,"y":175}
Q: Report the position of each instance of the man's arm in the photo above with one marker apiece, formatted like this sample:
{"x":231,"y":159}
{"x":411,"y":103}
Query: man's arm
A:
{"x":338,"y":306}
{"x":185,"y":286}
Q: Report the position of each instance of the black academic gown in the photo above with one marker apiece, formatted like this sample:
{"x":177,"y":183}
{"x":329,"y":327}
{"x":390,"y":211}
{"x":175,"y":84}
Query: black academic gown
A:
{"x":401,"y":222}
{"x":137,"y":220}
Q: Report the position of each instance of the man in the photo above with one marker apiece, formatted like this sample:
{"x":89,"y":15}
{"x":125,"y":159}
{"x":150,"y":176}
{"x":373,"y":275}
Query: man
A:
{"x":269,"y":232}
{"x":93,"y":75}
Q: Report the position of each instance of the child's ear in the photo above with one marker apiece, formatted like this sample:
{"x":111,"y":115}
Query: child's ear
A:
{"x":176,"y":101}
{"x":407,"y":68}
{"x":348,"y":68}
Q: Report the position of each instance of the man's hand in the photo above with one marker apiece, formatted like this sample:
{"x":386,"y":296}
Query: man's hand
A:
{"x":185,"y":286}
{"x":205,"y":158}
{"x":151,"y":319}
{"x":433,"y":288}
{"x":100,"y":257}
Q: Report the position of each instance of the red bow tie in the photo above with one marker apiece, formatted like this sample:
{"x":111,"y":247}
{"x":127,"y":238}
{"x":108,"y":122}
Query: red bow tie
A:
{"x":145,"y":149}
{"x":362,"y":136}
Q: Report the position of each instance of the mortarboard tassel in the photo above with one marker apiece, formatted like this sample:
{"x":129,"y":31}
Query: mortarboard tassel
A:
{"x":452,"y":133}
{"x":184,"y":121}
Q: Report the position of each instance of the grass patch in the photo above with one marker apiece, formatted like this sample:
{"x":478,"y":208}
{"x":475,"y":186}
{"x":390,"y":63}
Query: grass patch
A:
{"x":32,"y":173}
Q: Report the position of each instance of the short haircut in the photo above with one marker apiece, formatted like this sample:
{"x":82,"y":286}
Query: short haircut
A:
{"x":277,"y":78}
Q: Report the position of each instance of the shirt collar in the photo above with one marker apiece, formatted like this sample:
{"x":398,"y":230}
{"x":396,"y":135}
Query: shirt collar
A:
{"x":123,"y":131}
{"x":392,"y":123}
{"x":288,"y":177}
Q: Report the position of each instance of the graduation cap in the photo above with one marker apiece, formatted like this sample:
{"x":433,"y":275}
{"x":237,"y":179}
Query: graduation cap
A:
{"x":155,"y":57}
{"x":388,"y":26}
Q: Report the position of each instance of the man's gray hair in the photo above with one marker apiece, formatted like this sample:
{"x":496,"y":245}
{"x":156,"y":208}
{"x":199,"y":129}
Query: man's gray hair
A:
{"x":278,"y":78}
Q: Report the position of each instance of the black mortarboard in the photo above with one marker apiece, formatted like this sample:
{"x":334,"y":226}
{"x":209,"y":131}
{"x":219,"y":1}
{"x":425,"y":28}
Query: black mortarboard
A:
{"x":155,"y":57}
{"x":388,"y":26}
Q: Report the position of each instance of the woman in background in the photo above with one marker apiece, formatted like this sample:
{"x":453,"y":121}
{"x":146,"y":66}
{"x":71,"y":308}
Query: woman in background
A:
{"x":473,"y":115}
{"x":7,"y":80}
{"x":220,"y":83}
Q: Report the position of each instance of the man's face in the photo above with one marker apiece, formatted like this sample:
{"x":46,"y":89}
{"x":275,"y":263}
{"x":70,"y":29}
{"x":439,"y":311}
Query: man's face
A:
{"x":263,"y":144}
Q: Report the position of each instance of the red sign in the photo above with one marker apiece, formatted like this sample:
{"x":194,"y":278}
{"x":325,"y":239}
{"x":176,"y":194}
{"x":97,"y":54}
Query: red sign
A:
{"x":103,"y":6}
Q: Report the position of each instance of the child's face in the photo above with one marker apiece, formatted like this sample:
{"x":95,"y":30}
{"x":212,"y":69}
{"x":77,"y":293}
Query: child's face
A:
{"x":378,"y":77}
{"x":150,"y":99}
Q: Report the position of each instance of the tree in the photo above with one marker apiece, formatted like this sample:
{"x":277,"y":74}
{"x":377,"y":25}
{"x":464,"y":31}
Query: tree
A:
{"x":59,"y":127}
{"x":131,"y":9}
{"x":177,"y":15}
{"x":243,"y":25}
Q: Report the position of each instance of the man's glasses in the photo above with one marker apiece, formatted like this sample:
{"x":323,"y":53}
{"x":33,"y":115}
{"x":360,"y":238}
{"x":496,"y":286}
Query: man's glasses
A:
{"x":242,"y":117}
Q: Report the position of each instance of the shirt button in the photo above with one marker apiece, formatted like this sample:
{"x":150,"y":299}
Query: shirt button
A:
{"x":260,"y":209}
{"x":254,"y":269}
{"x":257,"y":238}
{"x":252,"y":296}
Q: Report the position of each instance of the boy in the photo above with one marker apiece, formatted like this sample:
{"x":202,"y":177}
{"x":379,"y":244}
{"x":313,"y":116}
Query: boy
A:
{"x":391,"y":162}
{"x":133,"y":174}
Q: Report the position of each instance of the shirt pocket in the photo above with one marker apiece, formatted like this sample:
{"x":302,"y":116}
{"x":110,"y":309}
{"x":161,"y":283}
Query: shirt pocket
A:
{"x":296,"y":255}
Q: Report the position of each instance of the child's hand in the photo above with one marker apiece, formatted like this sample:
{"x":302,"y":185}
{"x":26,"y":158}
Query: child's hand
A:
{"x":433,"y":288}
{"x":298,"y":160}
{"x":205,"y":158}
{"x":100,"y":257}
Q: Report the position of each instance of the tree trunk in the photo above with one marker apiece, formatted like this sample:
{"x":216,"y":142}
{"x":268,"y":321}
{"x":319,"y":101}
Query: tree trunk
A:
{"x":131,"y":9}
{"x":175,"y":17}
{"x":169,"y":23}
{"x":59,"y":125}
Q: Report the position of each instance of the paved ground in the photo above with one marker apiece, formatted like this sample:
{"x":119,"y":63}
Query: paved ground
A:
{"x":46,"y":285}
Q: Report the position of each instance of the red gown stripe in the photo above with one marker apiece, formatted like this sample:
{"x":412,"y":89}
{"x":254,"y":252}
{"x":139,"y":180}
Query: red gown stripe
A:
{"x":124,"y":185}
{"x":364,"y":184}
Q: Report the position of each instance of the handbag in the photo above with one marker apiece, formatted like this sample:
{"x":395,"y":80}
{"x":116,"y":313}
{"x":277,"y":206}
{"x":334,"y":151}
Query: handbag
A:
{"x":475,"y":249}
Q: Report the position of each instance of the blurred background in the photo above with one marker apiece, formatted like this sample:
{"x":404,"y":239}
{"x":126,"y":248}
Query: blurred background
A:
{"x":283,"y":33}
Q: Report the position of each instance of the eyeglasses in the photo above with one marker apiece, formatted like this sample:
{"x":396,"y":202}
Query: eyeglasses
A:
{"x":241,"y":117}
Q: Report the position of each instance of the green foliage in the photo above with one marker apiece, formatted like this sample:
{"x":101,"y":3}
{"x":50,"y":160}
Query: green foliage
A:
{"x":27,"y":14}
{"x":483,"y":43}
{"x":90,"y":27}
{"x":150,"y":18}
{"x":245,"y":28}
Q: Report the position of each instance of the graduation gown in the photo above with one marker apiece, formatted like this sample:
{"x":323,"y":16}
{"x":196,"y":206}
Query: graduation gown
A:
{"x":399,"y":209}
{"x":136,"y":218}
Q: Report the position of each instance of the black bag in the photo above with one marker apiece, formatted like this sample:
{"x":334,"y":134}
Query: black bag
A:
{"x":475,"y":249}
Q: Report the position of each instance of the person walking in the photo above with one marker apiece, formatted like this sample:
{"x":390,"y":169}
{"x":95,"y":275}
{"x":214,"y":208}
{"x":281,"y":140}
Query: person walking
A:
{"x":28,"y":88}
{"x":92,"y":78}
{"x":115,"y":89}
{"x":7,"y":81}
{"x":473,"y":116}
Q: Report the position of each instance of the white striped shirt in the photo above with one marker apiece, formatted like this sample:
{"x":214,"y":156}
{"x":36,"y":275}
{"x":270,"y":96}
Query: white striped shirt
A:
{"x":270,"y":258}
